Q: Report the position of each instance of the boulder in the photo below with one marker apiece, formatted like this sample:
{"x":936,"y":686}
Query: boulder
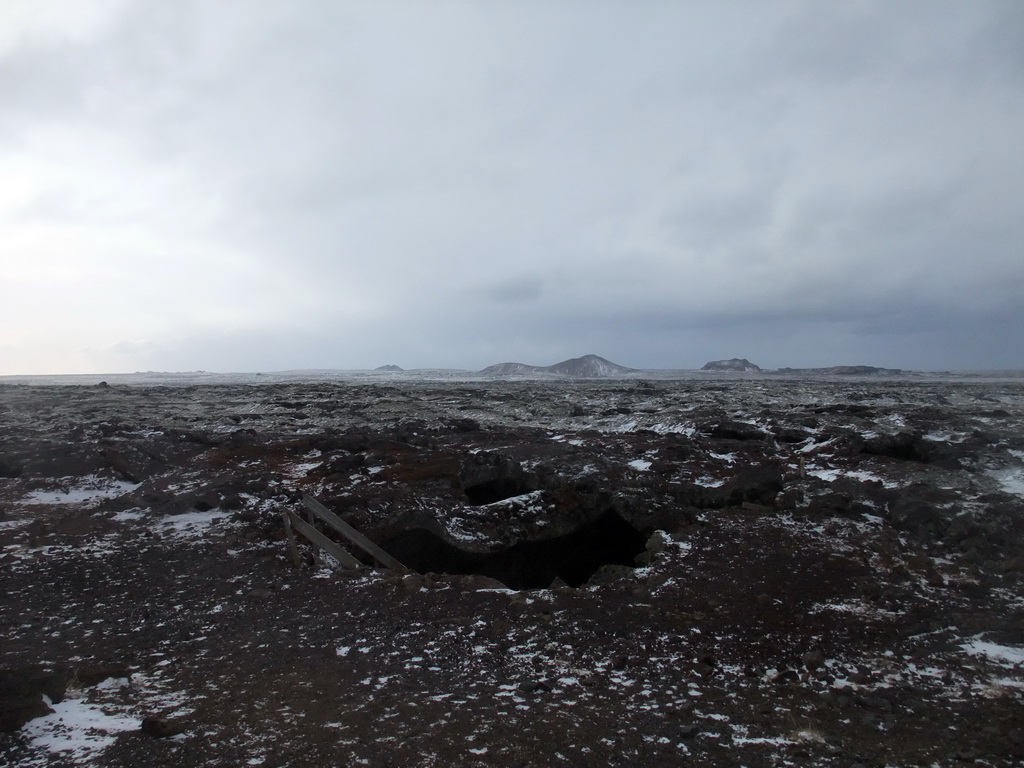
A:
{"x":759,"y":484}
{"x":733,"y":430}
{"x":22,"y":691}
{"x":918,"y":516}
{"x":10,"y":469}
{"x":160,"y":728}
{"x":906,"y":446}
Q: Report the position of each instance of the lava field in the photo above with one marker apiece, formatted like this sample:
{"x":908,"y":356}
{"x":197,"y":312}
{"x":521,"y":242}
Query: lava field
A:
{"x":748,"y":569}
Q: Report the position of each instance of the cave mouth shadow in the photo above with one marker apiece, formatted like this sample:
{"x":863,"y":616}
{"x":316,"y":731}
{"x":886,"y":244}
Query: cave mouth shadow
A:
{"x":573,"y":558}
{"x":496,"y":490}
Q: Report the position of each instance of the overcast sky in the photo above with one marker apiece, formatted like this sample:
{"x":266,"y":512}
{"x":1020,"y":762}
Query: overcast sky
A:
{"x":247,"y":185}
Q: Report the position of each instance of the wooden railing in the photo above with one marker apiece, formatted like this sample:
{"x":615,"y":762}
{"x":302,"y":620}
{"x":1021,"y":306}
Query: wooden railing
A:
{"x":318,"y":539}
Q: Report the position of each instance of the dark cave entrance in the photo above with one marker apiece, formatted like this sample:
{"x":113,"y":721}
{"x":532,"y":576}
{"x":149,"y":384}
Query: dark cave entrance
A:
{"x":490,"y":477}
{"x":574,"y":557}
{"x":498,"y":489}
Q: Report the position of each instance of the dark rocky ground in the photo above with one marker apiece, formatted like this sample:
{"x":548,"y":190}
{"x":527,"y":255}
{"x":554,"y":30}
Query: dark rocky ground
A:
{"x":830,"y":572}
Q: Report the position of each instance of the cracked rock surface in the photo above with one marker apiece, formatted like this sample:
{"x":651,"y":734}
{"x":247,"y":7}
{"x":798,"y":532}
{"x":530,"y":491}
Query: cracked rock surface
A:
{"x":756,"y":570}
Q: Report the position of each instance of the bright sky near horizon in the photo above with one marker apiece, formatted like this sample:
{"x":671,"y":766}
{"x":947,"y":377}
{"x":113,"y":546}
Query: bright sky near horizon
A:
{"x":248,"y":185}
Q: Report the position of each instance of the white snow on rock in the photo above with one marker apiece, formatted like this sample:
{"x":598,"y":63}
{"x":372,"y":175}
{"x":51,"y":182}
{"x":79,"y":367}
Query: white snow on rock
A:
{"x":1010,"y":480}
{"x":1000,"y":654}
{"x":707,"y":481}
{"x":1006,"y":682}
{"x":528,"y":500}
{"x":78,"y":728}
{"x":86,"y":489}
{"x":831,"y":475}
{"x":192,"y":523}
{"x":828,"y":475}
{"x":129,"y":515}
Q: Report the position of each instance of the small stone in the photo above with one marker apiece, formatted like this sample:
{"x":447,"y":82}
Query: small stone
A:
{"x":787,"y":676}
{"x":679,"y":709}
{"x":412,"y":582}
{"x":159,"y":728}
{"x":814,"y":659}
{"x":703,"y":669}
{"x":658,"y":542}
{"x":534,"y":686}
{"x":689,"y":731}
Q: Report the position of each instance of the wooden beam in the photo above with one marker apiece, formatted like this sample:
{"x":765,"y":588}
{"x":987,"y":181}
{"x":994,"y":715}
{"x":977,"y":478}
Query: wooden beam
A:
{"x":293,"y":551}
{"x":347,"y":559}
{"x":351,"y":534}
{"x":317,"y":560}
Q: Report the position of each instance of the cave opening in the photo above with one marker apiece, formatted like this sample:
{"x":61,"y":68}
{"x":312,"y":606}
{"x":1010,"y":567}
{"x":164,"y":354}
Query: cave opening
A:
{"x":496,"y":489}
{"x":573,"y":558}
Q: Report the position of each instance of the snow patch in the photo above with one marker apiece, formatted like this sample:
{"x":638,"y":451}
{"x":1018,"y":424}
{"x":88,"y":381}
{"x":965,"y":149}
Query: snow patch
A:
{"x":828,"y":475}
{"x":1000,"y":654}
{"x":128,"y":515}
{"x":192,"y":523}
{"x":523,"y":498}
{"x":78,"y":728}
{"x":87,"y":489}
{"x":1010,"y":480}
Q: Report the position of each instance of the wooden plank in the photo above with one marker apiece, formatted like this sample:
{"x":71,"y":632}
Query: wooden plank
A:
{"x":293,"y":552}
{"x":351,"y":534}
{"x":318,"y":561}
{"x":347,"y":559}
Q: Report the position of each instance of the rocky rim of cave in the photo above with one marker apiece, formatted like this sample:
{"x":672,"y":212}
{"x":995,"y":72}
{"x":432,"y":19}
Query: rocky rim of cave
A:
{"x":782,"y":572}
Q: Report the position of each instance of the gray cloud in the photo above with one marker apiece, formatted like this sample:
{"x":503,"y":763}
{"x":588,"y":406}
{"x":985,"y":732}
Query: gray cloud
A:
{"x":258,"y":185}
{"x":516,"y":290}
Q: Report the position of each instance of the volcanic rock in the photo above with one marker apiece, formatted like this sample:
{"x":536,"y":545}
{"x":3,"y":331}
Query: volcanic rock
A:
{"x":160,"y":728}
{"x":818,"y":538}
{"x":22,"y":691}
{"x":9,"y":469}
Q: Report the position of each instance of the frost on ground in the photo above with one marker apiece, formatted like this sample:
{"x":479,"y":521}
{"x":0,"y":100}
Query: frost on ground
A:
{"x":791,"y":572}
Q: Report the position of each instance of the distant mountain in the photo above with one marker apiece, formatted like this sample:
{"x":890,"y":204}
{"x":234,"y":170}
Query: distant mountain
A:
{"x":846,"y":370}
{"x":740,"y":364}
{"x":586,"y":367}
{"x":388,"y":368}
{"x":513,"y":369}
{"x":590,"y":367}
